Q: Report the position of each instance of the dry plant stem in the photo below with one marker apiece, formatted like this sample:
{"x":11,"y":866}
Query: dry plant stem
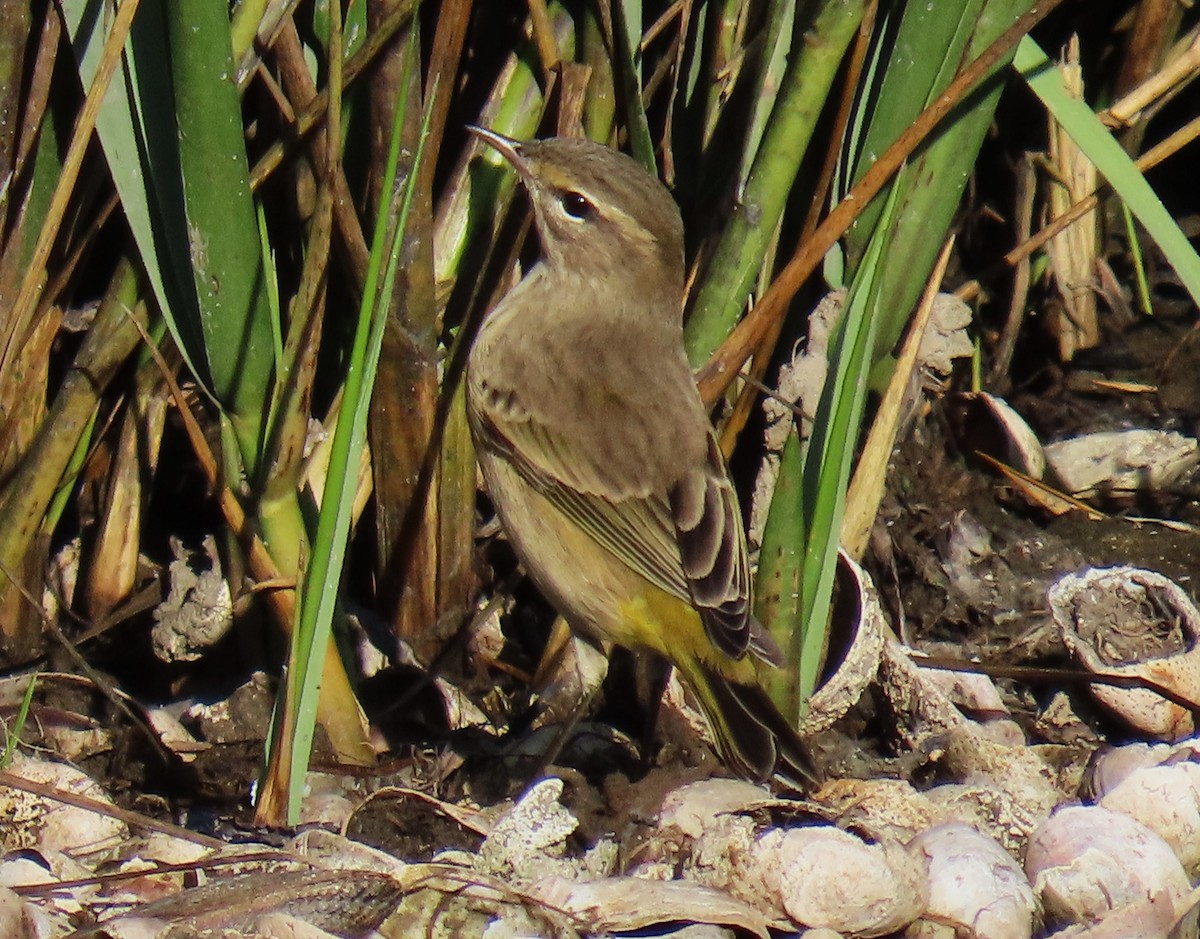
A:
{"x":1047,"y":496}
{"x":867,"y":486}
{"x":113,"y":571}
{"x":21,"y":314}
{"x":1151,"y":158}
{"x":403,"y":410}
{"x":377,"y":40}
{"x":66,"y":270}
{"x":145,"y":599}
{"x":667,"y":143}
{"x":448,"y":38}
{"x":858,"y":57}
{"x":30,"y":488}
{"x":277,"y":93}
{"x":1026,"y":188}
{"x":1157,"y":86}
{"x":573,"y":80}
{"x":748,"y":395}
{"x":1058,"y":676}
{"x":329,"y":155}
{"x":1141,"y":79}
{"x":299,"y":86}
{"x":1171,"y":145}
{"x":724,"y":365}
{"x":1072,"y":321}
{"x":17,"y":426}
{"x":664,"y":20}
{"x":289,"y":469}
{"x":664,"y":70}
{"x":34,"y":107}
{"x":273,"y":858}
{"x":543,"y":35}
{"x":135,"y":819}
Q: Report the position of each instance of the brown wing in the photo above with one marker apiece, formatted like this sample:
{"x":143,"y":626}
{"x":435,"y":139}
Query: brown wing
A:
{"x":685,"y":538}
{"x":712,"y":547}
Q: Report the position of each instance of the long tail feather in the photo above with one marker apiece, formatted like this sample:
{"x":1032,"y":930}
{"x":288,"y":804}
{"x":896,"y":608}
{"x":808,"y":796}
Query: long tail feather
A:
{"x":753,"y":738}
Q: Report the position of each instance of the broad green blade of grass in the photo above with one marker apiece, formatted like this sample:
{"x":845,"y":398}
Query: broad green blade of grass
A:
{"x":186,"y":195}
{"x":890,"y":251}
{"x":222,"y":228}
{"x":172,"y":135}
{"x":798,"y":562}
{"x":935,"y":40}
{"x":779,"y":575}
{"x":1111,"y":160}
{"x":187,"y":198}
{"x":137,"y":132}
{"x":727,"y":281}
{"x":918,"y":62}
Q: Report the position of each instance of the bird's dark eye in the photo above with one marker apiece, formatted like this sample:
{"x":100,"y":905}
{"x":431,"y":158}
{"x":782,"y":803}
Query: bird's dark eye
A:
{"x":577,"y":205}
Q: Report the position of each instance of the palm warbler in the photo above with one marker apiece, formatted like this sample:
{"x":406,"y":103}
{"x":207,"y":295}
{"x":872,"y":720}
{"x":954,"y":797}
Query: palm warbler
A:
{"x":597,"y":451}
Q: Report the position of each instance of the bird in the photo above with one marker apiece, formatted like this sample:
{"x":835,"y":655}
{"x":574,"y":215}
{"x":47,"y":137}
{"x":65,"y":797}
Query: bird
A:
{"x":599,"y":456}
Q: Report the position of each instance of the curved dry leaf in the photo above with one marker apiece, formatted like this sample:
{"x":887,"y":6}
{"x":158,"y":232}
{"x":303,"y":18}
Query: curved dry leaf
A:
{"x":626,"y":903}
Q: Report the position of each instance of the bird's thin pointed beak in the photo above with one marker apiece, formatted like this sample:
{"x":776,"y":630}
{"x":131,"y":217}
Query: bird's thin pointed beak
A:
{"x":507,"y":147}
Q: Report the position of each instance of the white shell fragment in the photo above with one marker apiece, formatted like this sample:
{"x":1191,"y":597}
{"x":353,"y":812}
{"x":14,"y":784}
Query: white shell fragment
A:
{"x":1163,"y":796}
{"x":826,"y":877}
{"x":863,"y":622}
{"x":530,"y":837}
{"x":971,"y":692}
{"x":994,"y":428}
{"x":975,"y":888}
{"x":1109,"y":768}
{"x":1124,"y":460}
{"x":1132,"y":622}
{"x":1088,"y":862}
{"x":693,"y":808}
